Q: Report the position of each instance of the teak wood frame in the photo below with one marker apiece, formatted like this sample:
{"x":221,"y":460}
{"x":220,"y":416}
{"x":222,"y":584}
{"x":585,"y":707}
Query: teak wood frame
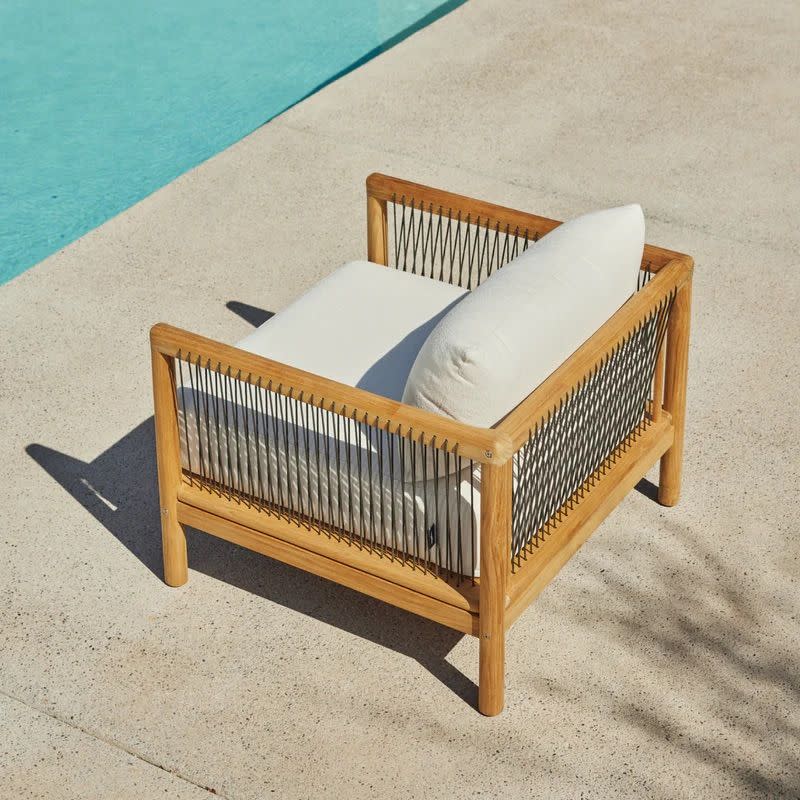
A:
{"x":489,"y":607}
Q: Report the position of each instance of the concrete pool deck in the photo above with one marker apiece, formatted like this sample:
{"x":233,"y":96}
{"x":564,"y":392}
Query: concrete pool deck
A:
{"x":661,"y":662}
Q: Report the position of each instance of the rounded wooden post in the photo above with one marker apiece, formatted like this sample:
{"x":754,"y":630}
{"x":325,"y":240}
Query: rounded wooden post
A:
{"x":377,"y":233}
{"x":173,"y":537}
{"x":495,"y":563}
{"x":676,"y":367}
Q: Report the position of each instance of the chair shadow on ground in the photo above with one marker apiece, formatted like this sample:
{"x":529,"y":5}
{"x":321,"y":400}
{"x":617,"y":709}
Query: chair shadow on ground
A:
{"x":252,"y":314}
{"x":648,"y":489}
{"x":120,"y":489}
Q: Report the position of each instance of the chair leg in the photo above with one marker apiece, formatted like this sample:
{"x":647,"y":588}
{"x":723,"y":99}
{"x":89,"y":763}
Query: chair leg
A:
{"x":168,"y":456}
{"x":495,"y":562}
{"x":173,"y":541}
{"x":677,"y":362}
{"x":492,"y":668}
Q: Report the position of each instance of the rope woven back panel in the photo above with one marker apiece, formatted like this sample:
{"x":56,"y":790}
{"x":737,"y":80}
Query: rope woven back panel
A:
{"x":584,"y":432}
{"x":454,"y":247}
{"x":269,"y":447}
{"x":449,"y":246}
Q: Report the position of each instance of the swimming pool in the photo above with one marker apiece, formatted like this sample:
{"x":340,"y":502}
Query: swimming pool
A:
{"x":105,"y":101}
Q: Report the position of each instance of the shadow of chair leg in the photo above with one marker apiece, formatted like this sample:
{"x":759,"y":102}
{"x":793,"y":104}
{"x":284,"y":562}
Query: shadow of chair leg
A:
{"x":252,"y":314}
{"x":648,"y":489}
{"x":453,"y":679}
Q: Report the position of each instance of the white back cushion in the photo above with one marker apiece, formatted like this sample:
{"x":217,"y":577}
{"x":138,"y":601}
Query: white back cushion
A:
{"x":502,"y":340}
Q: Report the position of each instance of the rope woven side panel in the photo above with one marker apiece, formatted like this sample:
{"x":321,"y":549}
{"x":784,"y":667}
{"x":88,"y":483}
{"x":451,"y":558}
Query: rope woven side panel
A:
{"x":276,"y":450}
{"x":584,"y":432}
{"x":437,"y":242}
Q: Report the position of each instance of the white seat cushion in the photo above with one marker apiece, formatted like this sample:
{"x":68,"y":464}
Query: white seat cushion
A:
{"x":363,"y":325}
{"x":499,"y":343}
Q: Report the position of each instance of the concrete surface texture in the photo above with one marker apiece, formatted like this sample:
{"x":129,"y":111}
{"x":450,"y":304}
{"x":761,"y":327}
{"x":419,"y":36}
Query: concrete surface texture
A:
{"x":662,"y":662}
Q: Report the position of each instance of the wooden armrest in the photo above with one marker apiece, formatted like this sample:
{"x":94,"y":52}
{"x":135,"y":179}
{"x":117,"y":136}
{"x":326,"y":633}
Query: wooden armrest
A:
{"x":483,"y":445}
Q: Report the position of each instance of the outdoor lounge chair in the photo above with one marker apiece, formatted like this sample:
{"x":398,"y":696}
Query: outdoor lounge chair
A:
{"x":439,"y":447}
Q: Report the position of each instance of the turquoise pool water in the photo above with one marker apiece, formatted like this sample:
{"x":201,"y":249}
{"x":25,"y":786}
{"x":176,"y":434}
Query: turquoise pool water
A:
{"x":104,"y":101}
